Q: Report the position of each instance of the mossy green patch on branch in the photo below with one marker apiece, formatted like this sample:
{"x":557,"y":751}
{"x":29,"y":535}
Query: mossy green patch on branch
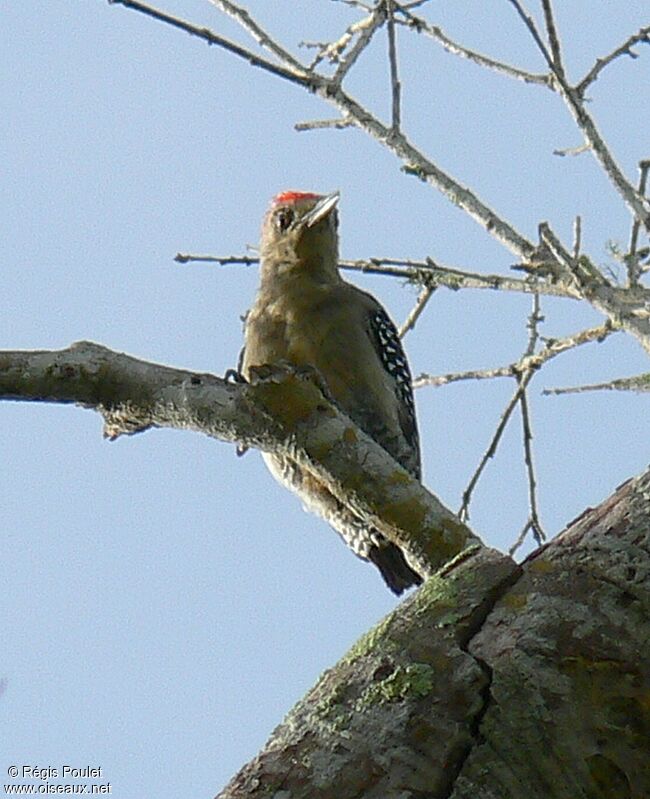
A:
{"x":413,"y":681}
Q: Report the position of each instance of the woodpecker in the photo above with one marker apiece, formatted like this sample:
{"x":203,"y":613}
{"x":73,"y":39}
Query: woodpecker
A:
{"x":305,"y":314}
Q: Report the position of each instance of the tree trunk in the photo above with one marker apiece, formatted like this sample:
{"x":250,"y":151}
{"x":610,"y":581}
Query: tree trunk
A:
{"x":492,"y":681}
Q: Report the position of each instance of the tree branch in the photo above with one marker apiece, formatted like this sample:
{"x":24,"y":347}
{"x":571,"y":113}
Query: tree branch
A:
{"x":417,"y":310}
{"x":553,"y":37}
{"x":426,"y":273}
{"x":637,"y":383}
{"x":637,"y":204}
{"x":642,"y":37}
{"x":364,"y":30}
{"x":420,"y":25}
{"x":396,"y":88}
{"x":490,"y":452}
{"x":527,"y":363}
{"x":258,"y":33}
{"x":626,"y":308}
{"x":295,"y":76}
{"x":284,"y":412}
{"x":415,"y":163}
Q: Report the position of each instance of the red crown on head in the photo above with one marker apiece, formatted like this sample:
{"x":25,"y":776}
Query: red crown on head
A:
{"x":294,"y":196}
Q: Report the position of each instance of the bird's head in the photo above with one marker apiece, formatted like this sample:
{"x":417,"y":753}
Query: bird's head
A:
{"x":300,"y":232}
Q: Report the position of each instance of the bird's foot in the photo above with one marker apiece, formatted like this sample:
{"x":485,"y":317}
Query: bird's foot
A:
{"x":234,"y":376}
{"x":280,"y":370}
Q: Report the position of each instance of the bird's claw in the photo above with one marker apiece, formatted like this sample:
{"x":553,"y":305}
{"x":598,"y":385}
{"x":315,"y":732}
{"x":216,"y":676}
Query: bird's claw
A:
{"x":234,"y":376}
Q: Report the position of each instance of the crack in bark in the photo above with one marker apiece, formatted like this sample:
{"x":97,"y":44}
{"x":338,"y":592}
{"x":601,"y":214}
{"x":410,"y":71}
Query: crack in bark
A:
{"x":474,"y":626}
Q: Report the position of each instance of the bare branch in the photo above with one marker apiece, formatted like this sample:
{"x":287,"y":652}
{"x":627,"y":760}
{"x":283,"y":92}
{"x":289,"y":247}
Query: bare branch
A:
{"x":533,"y":524}
{"x":426,"y":272}
{"x":364,"y":30}
{"x":553,"y":348}
{"x":354,"y":4}
{"x":642,"y":37}
{"x":637,"y":204}
{"x":396,"y":89}
{"x":422,"y":26}
{"x":553,"y":37}
{"x":581,"y":148}
{"x":532,"y":325}
{"x":463,"y":513}
{"x":212,"y":38}
{"x":523,"y":371}
{"x":638,"y":383}
{"x":633,"y":266}
{"x":430,"y":272}
{"x":625,"y":309}
{"x":222,"y":260}
{"x":523,"y":377}
{"x":415,"y":162}
{"x":320,"y":124}
{"x":532,"y":28}
{"x":577,"y":237}
{"x":416,"y":312}
{"x":520,"y":538}
{"x":242,"y":16}
{"x":454,"y":377}
{"x":134,"y":395}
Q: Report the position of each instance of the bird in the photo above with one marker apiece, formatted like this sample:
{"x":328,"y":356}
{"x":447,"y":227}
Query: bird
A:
{"x":306,"y":315}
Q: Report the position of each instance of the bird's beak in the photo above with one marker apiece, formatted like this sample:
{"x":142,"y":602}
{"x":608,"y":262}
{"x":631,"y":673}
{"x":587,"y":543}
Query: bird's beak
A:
{"x":322,"y":208}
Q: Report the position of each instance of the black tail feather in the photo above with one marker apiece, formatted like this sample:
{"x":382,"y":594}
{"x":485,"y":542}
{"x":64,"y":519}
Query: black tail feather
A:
{"x":392,"y":564}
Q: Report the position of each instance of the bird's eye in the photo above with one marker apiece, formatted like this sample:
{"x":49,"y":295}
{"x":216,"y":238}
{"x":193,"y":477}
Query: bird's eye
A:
{"x":284,"y":218}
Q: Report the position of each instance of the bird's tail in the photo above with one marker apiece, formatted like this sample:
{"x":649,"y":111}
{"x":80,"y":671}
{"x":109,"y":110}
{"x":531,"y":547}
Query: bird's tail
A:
{"x":392,"y":564}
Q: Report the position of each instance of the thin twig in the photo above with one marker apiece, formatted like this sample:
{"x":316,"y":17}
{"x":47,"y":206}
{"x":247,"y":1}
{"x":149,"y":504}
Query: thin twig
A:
{"x":364,"y":30}
{"x":532,"y":325}
{"x":320,"y":124}
{"x":396,"y":90}
{"x":415,"y":163}
{"x":530,"y":24}
{"x":584,"y":275}
{"x":222,"y":260}
{"x":521,"y":537}
{"x":433,"y":31}
{"x":553,"y":37}
{"x":426,"y":272}
{"x":533,"y":523}
{"x":213,"y":38}
{"x":633,"y":268}
{"x":454,"y":377}
{"x":416,"y":311}
{"x":242,"y":16}
{"x":333,"y":51}
{"x":463,"y":512}
{"x":354,"y":4}
{"x":638,"y":383}
{"x":642,"y":37}
{"x":552,"y":349}
{"x":638,"y":205}
{"x":581,"y":148}
{"x":523,"y":377}
{"x":431,"y":272}
{"x":577,"y":237}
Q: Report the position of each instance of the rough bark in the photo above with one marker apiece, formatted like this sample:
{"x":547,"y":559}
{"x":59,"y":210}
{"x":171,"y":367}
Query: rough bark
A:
{"x":492,"y":681}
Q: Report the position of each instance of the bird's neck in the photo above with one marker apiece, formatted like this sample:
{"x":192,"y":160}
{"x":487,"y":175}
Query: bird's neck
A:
{"x":283,"y":271}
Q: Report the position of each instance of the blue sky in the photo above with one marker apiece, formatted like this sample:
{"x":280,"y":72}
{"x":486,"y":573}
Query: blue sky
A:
{"x":165,"y":603}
